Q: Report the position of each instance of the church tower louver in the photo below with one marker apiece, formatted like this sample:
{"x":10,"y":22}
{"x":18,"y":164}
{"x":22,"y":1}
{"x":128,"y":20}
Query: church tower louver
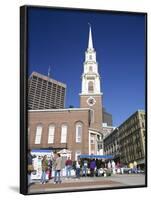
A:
{"x":91,"y":95}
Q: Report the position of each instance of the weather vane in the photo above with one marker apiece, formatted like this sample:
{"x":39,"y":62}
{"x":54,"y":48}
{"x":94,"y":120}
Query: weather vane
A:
{"x":89,"y":24}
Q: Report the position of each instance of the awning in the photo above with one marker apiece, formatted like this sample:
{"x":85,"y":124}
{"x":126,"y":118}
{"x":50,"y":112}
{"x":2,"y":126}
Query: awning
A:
{"x":141,"y":161}
{"x":41,"y":151}
{"x":64,"y":151}
{"x":96,"y":156}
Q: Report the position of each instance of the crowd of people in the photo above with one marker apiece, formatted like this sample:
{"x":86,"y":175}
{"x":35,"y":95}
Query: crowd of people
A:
{"x":81,"y":168}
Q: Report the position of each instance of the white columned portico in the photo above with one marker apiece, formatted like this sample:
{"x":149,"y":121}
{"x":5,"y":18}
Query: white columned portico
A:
{"x":96,"y":142}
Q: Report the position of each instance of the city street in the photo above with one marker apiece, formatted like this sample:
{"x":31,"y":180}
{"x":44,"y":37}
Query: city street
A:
{"x":89,"y":182}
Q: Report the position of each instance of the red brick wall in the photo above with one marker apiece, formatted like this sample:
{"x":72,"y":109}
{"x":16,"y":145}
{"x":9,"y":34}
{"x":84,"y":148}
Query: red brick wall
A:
{"x":97,"y":107}
{"x":58,"y":118}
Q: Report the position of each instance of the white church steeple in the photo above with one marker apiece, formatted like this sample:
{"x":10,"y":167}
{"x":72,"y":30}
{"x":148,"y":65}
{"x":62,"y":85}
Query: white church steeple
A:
{"x":91,"y":96}
{"x":90,"y":76}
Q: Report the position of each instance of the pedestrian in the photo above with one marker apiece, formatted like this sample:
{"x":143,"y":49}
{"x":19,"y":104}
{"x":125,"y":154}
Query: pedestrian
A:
{"x":131,"y":167}
{"x":118,"y":167}
{"x":84,"y":168}
{"x":49,"y":168}
{"x":57,"y":168}
{"x":68,"y":164}
{"x":44,"y":169}
{"x":30,"y":166}
{"x":92,"y":167}
{"x":98,"y":166}
{"x":121,"y":168}
{"x":135,"y":167}
{"x":109,"y":165}
{"x":78,"y":169}
{"x":113,"y":167}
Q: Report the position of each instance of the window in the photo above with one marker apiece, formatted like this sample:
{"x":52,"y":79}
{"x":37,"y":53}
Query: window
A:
{"x":78,"y":132}
{"x":90,"y":69}
{"x":63,"y":133}
{"x":92,"y":139}
{"x":143,"y":125}
{"x":90,"y":87}
{"x":90,"y":57}
{"x":51,"y":134}
{"x":38,"y":134}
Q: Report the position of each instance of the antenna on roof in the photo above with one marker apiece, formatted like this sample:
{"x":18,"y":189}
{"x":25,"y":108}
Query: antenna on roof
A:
{"x":49,"y":71}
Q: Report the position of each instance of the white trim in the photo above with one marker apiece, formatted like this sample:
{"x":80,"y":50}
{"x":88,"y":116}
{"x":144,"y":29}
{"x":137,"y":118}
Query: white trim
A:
{"x":89,"y":143}
{"x":95,"y":131}
{"x":94,"y":94}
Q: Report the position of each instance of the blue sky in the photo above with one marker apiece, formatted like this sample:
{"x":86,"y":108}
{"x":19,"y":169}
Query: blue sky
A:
{"x":59,"y":38}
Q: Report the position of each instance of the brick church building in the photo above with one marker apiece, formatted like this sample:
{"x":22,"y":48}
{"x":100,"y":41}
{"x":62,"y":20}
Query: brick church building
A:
{"x":78,"y":130}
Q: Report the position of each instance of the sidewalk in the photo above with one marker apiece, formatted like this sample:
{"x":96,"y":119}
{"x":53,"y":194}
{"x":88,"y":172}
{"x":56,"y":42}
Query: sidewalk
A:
{"x":74,"y":184}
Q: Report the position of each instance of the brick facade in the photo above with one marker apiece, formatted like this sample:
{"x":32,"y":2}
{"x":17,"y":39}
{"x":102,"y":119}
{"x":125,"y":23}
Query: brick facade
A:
{"x":58,"y":117}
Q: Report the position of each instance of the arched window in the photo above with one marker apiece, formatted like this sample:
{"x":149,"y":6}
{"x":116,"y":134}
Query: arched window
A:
{"x":90,"y":57}
{"x":51,"y":133}
{"x":90,"y":87}
{"x":92,"y":138}
{"x":90,"y":69}
{"x":38,"y":134}
{"x":79,"y":132}
{"x":64,"y":133}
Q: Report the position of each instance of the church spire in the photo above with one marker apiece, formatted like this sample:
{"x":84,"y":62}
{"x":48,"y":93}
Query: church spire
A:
{"x":90,"y":76}
{"x":90,"y":43}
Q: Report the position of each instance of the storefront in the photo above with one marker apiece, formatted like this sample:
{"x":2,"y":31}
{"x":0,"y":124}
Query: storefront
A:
{"x":39,"y":154}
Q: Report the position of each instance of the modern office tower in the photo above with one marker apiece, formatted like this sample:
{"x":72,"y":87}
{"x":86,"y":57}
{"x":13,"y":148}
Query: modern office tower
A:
{"x":107,"y":118}
{"x":45,"y":92}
